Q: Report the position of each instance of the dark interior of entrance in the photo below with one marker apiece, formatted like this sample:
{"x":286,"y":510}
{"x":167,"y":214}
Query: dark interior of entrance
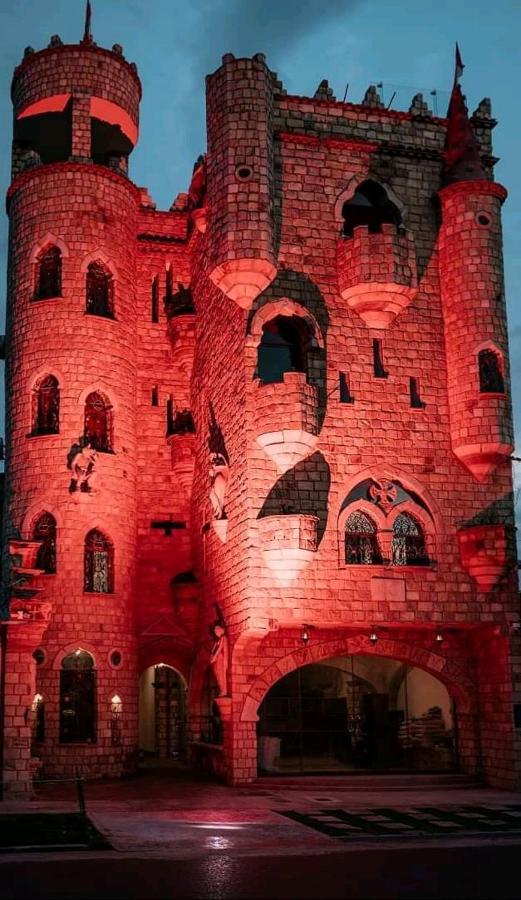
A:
{"x":356,"y":713}
{"x":162,"y":715}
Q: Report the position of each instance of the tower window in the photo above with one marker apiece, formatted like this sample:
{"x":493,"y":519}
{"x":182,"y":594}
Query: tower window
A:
{"x":44,"y":530}
{"x":48,"y":281}
{"x":344,"y":389}
{"x":414,"y":393}
{"x":38,"y":709}
{"x":361,"y":541}
{"x":154,"y":300}
{"x":98,"y":422}
{"x":378,"y":359}
{"x":46,"y":406}
{"x":100,"y":291}
{"x":408,"y":544}
{"x":491,"y":379}
{"x":283,"y":348}
{"x":369,"y":206}
{"x":77,"y":698}
{"x":99,"y":563}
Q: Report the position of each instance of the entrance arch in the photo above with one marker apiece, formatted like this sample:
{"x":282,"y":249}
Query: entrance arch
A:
{"x":162,"y":715}
{"x":348,"y":713}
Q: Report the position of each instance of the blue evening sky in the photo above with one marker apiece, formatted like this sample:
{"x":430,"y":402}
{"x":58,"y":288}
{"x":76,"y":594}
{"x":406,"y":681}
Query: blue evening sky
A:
{"x":408,"y":45}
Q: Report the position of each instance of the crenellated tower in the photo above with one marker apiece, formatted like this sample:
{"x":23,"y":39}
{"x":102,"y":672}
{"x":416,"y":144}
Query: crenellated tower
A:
{"x":71,"y":386}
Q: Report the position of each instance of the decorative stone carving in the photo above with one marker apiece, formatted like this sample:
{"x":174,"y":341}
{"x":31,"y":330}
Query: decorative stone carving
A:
{"x":81,"y":460}
{"x":383,"y":493}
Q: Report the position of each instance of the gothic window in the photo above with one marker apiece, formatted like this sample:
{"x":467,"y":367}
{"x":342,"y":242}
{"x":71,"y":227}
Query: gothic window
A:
{"x":100,"y":291}
{"x":46,"y":406}
{"x":98,"y":422}
{"x":44,"y":530}
{"x":490,"y":375}
{"x":369,"y":206}
{"x":283,"y":348}
{"x":77,"y":698}
{"x":361,"y":541}
{"x":408,"y":545}
{"x":99,"y":564}
{"x":48,"y":281}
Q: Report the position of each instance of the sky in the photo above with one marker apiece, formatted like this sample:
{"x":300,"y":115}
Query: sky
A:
{"x":406,"y":45}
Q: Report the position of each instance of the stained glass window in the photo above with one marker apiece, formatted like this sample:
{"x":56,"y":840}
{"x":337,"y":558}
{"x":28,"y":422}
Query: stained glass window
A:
{"x":361,"y":541}
{"x":48,"y":274}
{"x":490,"y":375}
{"x":408,"y":546}
{"x":98,"y":422}
{"x":44,"y":530}
{"x":99,"y":563}
{"x":77,"y":698}
{"x":46,"y":406}
{"x":100,"y":291}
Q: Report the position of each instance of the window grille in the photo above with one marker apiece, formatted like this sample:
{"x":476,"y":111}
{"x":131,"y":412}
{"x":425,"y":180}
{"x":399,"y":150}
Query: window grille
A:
{"x":361,"y":542}
{"x":408,"y":544}
{"x":99,"y":564}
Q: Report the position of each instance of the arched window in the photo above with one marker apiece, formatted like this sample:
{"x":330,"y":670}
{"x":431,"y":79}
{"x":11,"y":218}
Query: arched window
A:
{"x":48,"y":275}
{"x":369,"y":206}
{"x":46,"y":406}
{"x":100,"y":291}
{"x":38,"y":710}
{"x":283,"y":348}
{"x":77,"y":698}
{"x":491,"y":379}
{"x":98,"y":422}
{"x":408,"y":546}
{"x":99,"y":563}
{"x":44,"y":530}
{"x":361,"y":541}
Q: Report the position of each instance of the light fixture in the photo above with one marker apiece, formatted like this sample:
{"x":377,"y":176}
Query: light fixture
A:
{"x":373,"y":637}
{"x":439,"y":637}
{"x":305,"y":635}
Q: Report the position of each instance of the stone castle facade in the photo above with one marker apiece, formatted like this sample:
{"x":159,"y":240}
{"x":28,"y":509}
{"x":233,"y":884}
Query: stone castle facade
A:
{"x":267,"y":428}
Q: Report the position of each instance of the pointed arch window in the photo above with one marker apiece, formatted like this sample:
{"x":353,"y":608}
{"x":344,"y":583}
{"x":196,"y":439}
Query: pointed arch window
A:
{"x":44,"y":530}
{"x":99,"y":563}
{"x":369,"y":206}
{"x":361,"y":541}
{"x":491,"y":379}
{"x":46,"y":406}
{"x":48,"y":275}
{"x":283,"y":348}
{"x":100,"y":291}
{"x":408,"y":543}
{"x":77,"y":698}
{"x":98,"y":422}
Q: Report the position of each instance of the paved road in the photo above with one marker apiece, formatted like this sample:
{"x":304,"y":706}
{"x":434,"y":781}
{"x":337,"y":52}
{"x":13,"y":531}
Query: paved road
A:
{"x":488,"y":871}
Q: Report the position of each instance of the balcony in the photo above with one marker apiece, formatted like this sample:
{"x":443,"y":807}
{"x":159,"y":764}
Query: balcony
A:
{"x":288,"y":543}
{"x":483,"y":553}
{"x":286,"y":419}
{"x":377,"y":272}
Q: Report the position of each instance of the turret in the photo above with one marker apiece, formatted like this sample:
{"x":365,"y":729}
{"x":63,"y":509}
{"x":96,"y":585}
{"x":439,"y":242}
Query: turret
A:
{"x":240,"y":178}
{"x":471,"y":276}
{"x":71,"y":378}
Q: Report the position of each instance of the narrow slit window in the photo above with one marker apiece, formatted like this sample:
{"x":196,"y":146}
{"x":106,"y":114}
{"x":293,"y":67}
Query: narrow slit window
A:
{"x":345,"y":391}
{"x":378,"y":359}
{"x":414,"y":391}
{"x":98,"y":423}
{"x":155,"y":300}
{"x":155,"y":396}
{"x":491,"y":379}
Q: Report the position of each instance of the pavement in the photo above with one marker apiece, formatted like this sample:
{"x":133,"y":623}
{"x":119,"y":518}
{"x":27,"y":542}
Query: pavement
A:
{"x":176,"y":815}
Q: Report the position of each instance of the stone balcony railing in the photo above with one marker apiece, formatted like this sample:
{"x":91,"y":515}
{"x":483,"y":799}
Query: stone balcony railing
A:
{"x":288,"y":543}
{"x":377,"y":273}
{"x":286,"y":419}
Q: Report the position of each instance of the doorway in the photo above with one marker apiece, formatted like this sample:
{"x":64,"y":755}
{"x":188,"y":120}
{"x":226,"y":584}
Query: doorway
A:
{"x":162,"y":715}
{"x":357,"y":713}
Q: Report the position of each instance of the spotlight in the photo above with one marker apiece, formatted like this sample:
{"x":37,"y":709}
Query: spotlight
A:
{"x":439,"y":637}
{"x":305,"y":635}
{"x":373,"y":637}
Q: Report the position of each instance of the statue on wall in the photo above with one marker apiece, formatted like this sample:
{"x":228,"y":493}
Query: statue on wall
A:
{"x":81,"y":460}
{"x":220,"y":653}
{"x":219,"y":474}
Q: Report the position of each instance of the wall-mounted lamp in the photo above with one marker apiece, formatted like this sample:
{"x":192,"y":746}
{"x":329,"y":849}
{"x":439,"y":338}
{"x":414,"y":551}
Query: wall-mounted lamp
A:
{"x":439,"y":637}
{"x":373,"y":637}
{"x":305,"y":634}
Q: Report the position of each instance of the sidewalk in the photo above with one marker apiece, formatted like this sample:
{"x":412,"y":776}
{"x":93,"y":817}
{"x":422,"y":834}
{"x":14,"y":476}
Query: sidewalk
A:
{"x":179,"y":815}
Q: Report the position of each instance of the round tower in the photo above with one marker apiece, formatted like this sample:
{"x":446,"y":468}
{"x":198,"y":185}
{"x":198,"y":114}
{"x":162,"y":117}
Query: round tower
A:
{"x":471,"y":281}
{"x":71,"y":389}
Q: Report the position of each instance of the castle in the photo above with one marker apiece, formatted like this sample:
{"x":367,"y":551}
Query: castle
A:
{"x":258,"y":505}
